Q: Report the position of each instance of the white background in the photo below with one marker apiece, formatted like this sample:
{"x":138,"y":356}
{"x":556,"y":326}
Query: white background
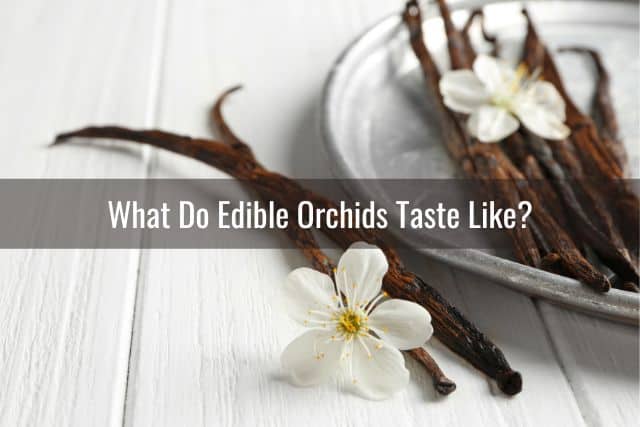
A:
{"x":185,"y":337}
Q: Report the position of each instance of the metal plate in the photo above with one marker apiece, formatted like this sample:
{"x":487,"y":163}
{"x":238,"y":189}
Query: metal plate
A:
{"x":377,"y":121}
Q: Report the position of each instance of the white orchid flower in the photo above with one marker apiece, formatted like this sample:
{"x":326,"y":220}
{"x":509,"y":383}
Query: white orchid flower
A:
{"x":494,"y":95}
{"x":356,"y":331}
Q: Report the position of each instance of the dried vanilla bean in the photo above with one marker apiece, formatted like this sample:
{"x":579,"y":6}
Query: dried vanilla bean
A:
{"x":630,"y":287}
{"x":602,"y":108}
{"x":560,"y":243}
{"x":603,"y":237}
{"x":456,"y":41}
{"x":305,"y":240}
{"x":552,"y":263}
{"x":442,"y":384}
{"x":541,"y":185}
{"x":583,"y":131}
{"x":450,"y":327}
{"x":518,"y":151}
{"x":478,"y":14}
{"x":572,"y":262}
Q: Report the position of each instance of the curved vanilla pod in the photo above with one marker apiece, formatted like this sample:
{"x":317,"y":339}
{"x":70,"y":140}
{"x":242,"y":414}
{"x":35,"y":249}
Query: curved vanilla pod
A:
{"x":450,"y":326}
{"x":306,"y":242}
{"x":478,"y":14}
{"x":602,"y":108}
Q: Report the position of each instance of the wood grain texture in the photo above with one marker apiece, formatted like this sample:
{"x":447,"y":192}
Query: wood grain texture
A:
{"x":65,"y":315}
{"x":601,"y":362}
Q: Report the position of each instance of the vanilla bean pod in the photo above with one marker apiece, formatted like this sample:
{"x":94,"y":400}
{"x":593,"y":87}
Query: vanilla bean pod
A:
{"x":611,"y":245}
{"x":600,"y":193}
{"x":561,"y":243}
{"x":541,"y":185}
{"x":499,"y":187}
{"x":478,"y":14}
{"x":501,"y":169}
{"x":601,"y":233}
{"x":442,"y":384}
{"x":450,"y":327}
{"x":551,"y":263}
{"x":304,"y":239}
{"x":630,"y":287}
{"x":456,"y":41}
{"x":558,"y":240}
{"x":592,"y":153}
{"x":603,"y":236}
{"x":583,"y":131}
{"x":602,"y":108}
{"x":472,"y":161}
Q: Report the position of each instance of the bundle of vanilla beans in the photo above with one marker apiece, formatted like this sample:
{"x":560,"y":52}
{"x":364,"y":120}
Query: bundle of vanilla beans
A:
{"x":584,"y":222}
{"x":505,"y":169}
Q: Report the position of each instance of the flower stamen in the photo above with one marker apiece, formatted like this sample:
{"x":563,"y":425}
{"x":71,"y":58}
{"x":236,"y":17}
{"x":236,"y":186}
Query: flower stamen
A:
{"x":350,"y":323}
{"x":373,"y":302}
{"x":521,"y":75}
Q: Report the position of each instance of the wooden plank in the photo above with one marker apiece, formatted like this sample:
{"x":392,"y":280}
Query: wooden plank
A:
{"x":210,"y":326}
{"x":66,"y":315}
{"x":600,"y":359}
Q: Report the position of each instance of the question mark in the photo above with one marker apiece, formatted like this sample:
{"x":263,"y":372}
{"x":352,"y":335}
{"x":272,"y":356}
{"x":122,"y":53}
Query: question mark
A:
{"x":525,"y":204}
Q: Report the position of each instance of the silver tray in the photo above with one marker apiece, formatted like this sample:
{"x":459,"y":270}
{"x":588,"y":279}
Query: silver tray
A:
{"x":377,"y":123}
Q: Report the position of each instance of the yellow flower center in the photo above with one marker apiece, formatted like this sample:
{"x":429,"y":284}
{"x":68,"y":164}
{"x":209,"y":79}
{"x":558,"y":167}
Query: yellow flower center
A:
{"x":351,"y":323}
{"x":521,"y":76}
{"x":521,"y":79}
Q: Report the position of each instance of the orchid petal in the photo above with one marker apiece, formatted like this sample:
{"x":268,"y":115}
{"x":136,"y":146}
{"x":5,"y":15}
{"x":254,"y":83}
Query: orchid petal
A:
{"x":546,"y":96}
{"x":403,"y":324}
{"x":360,"y":272}
{"x":491,"y":124}
{"x":308,"y":294}
{"x":312,"y":358}
{"x":378,"y":369}
{"x":541,"y":121}
{"x":492,"y":72}
{"x":462,"y":91}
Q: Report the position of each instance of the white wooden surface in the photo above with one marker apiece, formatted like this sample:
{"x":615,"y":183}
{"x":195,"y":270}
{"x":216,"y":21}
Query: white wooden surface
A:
{"x":182,"y":337}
